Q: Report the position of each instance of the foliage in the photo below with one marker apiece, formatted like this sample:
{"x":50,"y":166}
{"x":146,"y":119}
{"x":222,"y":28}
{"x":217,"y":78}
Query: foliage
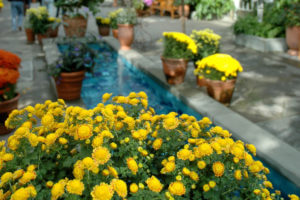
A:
{"x":209,"y":9}
{"x":76,"y":57}
{"x":102,"y":21}
{"x":186,"y":2}
{"x":293,"y":15}
{"x":38,"y":19}
{"x":113,"y":18}
{"x":127,"y":16}
{"x":178,"y":45}
{"x":123,"y":150}
{"x":218,"y":67}
{"x":9,"y":74}
{"x":73,"y":6}
{"x":249,"y":25}
{"x":207,"y":42}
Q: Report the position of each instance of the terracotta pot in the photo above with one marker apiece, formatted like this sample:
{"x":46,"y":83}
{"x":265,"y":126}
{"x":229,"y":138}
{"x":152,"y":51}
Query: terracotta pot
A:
{"x":103,"y":30}
{"x":143,"y":13}
{"x":68,"y":85}
{"x":201,"y":82}
{"x":221,"y":90}
{"x":5,"y":108}
{"x":174,"y":69}
{"x":115,"y":3}
{"x":115,"y":33}
{"x":186,"y":11}
{"x":293,"y":39}
{"x":52,"y":33}
{"x":30,"y":35}
{"x":125,"y":36}
{"x":40,"y":37}
{"x":75,"y":27}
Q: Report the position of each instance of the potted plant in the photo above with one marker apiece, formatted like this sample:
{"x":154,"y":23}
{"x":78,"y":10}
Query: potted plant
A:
{"x":186,"y":7}
{"x":143,"y":7}
{"x":28,"y":25}
{"x":125,"y":151}
{"x":69,"y":70}
{"x":220,"y":72}
{"x":178,"y":49}
{"x":43,"y":25}
{"x":113,"y":22}
{"x":103,"y":25}
{"x":9,"y":74}
{"x":126,"y":20}
{"x":293,"y":27}
{"x":208,"y":43}
{"x":75,"y":22}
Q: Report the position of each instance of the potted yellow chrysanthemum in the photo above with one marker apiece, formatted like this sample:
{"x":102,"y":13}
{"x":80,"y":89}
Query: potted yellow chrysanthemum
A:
{"x":103,"y":25}
{"x":178,"y":49}
{"x":220,"y":72}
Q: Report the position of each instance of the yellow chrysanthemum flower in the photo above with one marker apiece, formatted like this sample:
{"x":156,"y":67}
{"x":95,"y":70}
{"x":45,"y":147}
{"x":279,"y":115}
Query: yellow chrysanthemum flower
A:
{"x":75,"y":187}
{"x":154,"y":184}
{"x":177,"y":188}
{"x":238,"y":175}
{"x":102,"y":192}
{"x":83,"y":132}
{"x":134,"y":188}
{"x":101,"y":155}
{"x":157,"y":143}
{"x":132,"y":165}
{"x":184,"y":154}
{"x":57,"y":190}
{"x":218,"y":168}
{"x":170,"y":123}
{"x":120,"y":187}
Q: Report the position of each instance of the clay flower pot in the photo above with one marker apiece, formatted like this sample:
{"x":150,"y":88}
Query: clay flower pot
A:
{"x":103,"y":30}
{"x":52,"y":33}
{"x":30,"y":35}
{"x":201,"y":82}
{"x":186,"y":11}
{"x":293,"y":39}
{"x":68,"y":85}
{"x":5,"y":108}
{"x":40,"y":37}
{"x":221,"y":90}
{"x":125,"y":36}
{"x":115,"y":33}
{"x":174,"y":69}
{"x":75,"y":27}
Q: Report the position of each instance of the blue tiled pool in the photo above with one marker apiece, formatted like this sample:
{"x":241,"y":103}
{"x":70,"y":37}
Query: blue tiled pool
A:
{"x":113,"y":74}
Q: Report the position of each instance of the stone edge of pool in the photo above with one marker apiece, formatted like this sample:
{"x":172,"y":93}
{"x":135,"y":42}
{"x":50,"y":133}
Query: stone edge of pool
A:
{"x":283,"y":157}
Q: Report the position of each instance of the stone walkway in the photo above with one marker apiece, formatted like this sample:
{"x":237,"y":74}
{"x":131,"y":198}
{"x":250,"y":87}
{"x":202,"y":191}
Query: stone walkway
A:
{"x":267,"y":92}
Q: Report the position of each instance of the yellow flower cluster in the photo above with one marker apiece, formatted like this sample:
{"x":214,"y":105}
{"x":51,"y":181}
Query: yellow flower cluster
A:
{"x":122,"y":149}
{"x":181,"y":37}
{"x":38,"y":12}
{"x":1,"y":4}
{"x":206,"y":36}
{"x":53,"y":19}
{"x":115,"y":13}
{"x":102,"y":20}
{"x":222,"y":63}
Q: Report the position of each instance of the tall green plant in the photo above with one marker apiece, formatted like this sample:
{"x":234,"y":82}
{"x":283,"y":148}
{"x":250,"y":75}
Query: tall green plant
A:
{"x":209,"y":9}
{"x":73,"y":6}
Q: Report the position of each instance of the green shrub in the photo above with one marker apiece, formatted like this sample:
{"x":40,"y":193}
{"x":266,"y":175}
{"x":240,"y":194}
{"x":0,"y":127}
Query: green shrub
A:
{"x":209,"y":9}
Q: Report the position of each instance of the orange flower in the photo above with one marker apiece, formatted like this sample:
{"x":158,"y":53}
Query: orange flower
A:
{"x":8,"y":76}
{"x":9,"y":60}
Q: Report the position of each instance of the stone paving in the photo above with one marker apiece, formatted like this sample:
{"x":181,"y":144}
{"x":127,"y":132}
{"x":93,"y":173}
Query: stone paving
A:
{"x":267,"y":92}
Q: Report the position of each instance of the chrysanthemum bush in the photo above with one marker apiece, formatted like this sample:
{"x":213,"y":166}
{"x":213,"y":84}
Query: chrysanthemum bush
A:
{"x":123,"y":150}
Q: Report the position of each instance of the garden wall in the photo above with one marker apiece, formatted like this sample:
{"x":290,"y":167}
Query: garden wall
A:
{"x":261,"y":44}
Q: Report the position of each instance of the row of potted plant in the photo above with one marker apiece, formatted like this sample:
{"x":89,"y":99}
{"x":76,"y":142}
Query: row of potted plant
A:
{"x":38,"y":22}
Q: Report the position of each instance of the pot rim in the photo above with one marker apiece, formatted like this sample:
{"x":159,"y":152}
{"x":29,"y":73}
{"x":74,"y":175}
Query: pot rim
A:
{"x":173,"y":59}
{"x":11,"y":100}
{"x":72,"y":73}
{"x":76,"y":17}
{"x":126,"y":25}
{"x":218,"y":81}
